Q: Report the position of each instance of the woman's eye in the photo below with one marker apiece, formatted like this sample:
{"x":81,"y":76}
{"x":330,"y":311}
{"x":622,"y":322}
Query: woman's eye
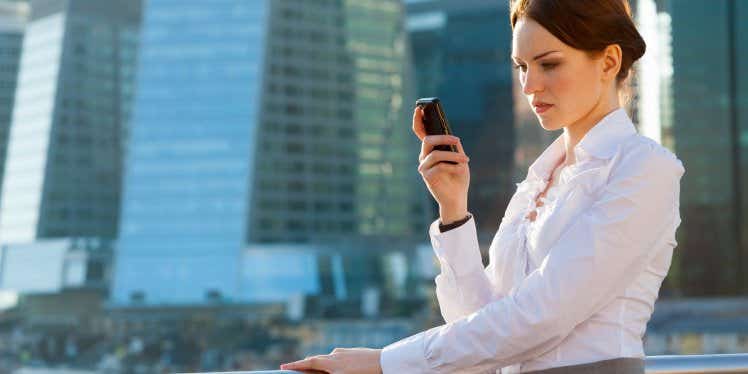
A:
{"x":549,"y":66}
{"x":546,"y":66}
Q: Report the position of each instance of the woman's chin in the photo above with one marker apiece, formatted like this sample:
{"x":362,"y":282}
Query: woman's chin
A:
{"x":548,"y":125}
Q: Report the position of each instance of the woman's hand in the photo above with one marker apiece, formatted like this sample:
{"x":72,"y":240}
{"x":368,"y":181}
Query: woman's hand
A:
{"x":448,"y":183}
{"x":341,"y":361}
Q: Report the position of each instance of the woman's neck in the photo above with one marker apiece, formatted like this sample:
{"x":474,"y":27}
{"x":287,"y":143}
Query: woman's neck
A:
{"x":574,"y":133}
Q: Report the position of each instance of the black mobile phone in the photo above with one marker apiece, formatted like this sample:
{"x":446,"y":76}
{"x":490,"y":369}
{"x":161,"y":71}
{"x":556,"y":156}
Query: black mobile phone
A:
{"x":435,"y":121}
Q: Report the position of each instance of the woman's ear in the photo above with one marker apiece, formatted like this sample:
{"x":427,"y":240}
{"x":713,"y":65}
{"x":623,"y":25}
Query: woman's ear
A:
{"x":612,"y":57}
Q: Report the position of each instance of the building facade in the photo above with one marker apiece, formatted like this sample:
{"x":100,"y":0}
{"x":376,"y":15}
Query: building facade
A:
{"x":13,"y":18}
{"x":261,"y":123}
{"x":709,"y":132}
{"x":64,"y":158}
{"x":461,"y":53}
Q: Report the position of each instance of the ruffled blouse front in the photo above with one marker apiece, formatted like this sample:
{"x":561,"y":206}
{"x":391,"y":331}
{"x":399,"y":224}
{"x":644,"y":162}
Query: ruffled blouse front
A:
{"x":518,"y":236}
{"x":529,"y":228}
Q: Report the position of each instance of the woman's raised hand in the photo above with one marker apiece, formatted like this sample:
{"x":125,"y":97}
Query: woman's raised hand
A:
{"x":448,"y":183}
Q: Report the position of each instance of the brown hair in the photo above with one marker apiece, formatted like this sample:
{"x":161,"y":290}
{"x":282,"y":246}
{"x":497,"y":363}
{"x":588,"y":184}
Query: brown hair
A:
{"x":589,"y":25}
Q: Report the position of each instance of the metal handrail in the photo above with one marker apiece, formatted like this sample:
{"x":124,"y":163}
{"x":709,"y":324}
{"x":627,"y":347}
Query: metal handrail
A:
{"x":675,"y":364}
{"x":682,"y":364}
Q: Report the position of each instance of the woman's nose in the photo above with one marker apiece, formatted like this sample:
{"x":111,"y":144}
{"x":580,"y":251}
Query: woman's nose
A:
{"x":532,"y":82}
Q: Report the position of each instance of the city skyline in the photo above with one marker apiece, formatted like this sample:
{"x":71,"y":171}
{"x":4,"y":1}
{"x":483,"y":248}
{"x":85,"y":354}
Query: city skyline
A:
{"x":208,"y":186}
{"x":288,"y":127}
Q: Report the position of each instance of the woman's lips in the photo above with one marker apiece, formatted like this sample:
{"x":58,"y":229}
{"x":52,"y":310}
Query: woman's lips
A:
{"x":541,"y":108}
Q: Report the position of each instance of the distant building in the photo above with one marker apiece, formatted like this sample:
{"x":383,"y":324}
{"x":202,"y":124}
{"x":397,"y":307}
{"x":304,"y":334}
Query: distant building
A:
{"x":461,"y":53}
{"x":56,"y":281}
{"x":265,"y":123}
{"x":698,"y":326}
{"x":60,"y":197}
{"x":13,"y":17}
{"x":322,"y":336}
{"x":59,"y":264}
{"x":705,"y":121}
{"x":64,"y":159}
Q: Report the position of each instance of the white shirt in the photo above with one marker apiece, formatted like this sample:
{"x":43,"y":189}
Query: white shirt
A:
{"x":590,"y":280}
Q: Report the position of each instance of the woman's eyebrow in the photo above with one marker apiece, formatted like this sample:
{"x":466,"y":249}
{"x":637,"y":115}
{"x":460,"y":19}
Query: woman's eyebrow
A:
{"x":538,"y":56}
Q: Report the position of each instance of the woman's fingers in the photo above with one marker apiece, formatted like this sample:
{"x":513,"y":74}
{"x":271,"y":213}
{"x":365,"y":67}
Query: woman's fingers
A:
{"x":418,"y":128}
{"x":459,"y":147}
{"x":432,"y":176}
{"x":430,"y":141}
{"x":435,"y":157}
{"x":320,"y":363}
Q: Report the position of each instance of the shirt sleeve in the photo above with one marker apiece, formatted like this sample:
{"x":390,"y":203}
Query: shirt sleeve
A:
{"x":463,"y":285}
{"x":591,"y":264}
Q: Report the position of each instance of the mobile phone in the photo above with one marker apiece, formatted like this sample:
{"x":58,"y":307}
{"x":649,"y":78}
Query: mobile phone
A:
{"x":435,"y":122}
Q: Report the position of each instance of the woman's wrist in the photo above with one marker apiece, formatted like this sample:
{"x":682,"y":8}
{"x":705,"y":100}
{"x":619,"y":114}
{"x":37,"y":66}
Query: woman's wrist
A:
{"x":455,"y":224}
{"x":450,"y":215}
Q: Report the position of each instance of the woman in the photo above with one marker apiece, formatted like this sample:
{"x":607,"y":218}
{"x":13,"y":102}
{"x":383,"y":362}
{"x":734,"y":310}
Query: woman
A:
{"x":587,"y":238}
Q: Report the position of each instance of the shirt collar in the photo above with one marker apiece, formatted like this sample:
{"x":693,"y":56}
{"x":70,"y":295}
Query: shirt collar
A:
{"x":600,"y":142}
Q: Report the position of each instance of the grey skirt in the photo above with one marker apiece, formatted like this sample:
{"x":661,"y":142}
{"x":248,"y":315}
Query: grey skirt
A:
{"x":622,"y":365}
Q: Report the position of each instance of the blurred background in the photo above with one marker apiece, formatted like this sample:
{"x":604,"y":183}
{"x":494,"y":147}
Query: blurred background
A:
{"x":194,"y":185}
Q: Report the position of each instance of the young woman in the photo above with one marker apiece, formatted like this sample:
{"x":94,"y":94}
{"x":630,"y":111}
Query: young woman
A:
{"x":587,"y":238}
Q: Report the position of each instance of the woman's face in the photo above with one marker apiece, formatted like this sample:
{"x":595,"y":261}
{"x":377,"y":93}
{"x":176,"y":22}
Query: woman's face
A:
{"x":554,"y":73}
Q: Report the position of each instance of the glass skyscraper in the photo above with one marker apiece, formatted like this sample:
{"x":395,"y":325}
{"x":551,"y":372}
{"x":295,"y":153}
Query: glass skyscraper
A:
{"x":693,"y":96}
{"x":711,"y":137}
{"x":336,"y":159}
{"x":13,"y":17}
{"x":259,"y":123}
{"x":461,"y":54}
{"x":187,"y":180}
{"x":63,"y":168}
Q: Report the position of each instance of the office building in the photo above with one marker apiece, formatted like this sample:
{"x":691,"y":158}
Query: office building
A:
{"x":64,"y":157}
{"x":461,"y":53}
{"x":260,"y":124}
{"x":710,"y":135}
{"x":13,"y":17}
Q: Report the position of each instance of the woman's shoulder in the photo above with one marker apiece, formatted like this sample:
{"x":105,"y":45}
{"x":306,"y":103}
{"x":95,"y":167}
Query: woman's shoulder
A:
{"x":641,"y":154}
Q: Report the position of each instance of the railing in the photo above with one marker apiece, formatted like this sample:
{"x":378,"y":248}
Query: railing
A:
{"x":682,"y":364}
{"x":677,"y":364}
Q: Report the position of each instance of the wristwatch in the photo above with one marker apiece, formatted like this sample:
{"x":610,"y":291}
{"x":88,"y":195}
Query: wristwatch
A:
{"x":450,"y":226}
